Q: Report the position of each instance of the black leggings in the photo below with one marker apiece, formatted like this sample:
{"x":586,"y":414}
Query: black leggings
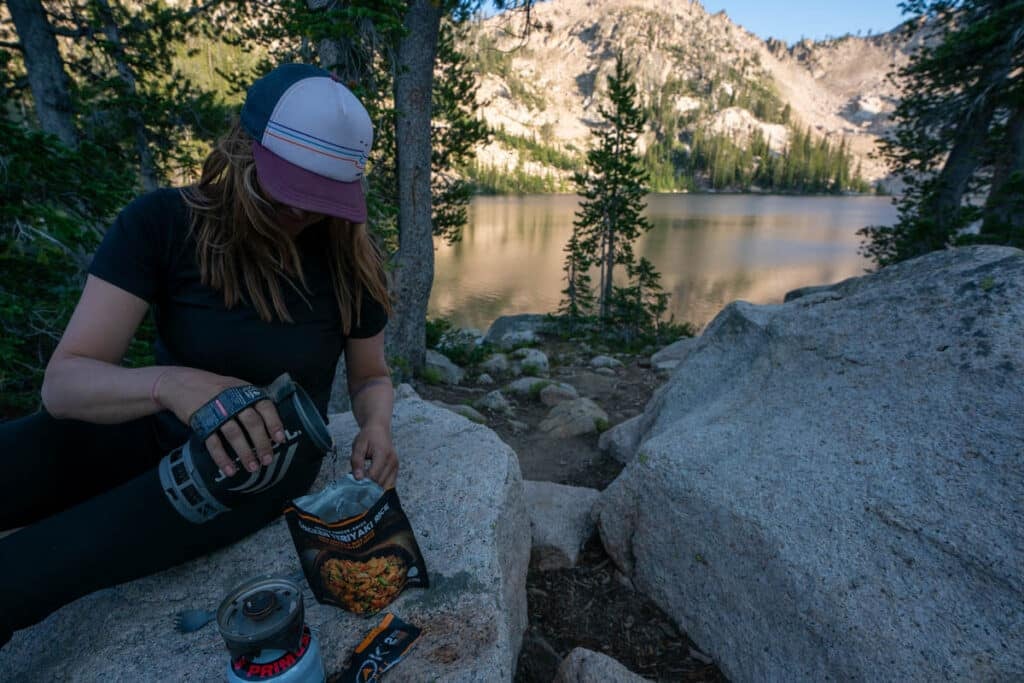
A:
{"x":94,"y":514}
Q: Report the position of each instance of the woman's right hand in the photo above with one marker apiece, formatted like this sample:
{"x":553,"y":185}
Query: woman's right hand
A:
{"x":185,"y":390}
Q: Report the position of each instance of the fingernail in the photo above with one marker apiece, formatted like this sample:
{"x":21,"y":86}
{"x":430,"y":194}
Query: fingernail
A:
{"x":252,"y":467}
{"x":359,"y":473}
{"x":230,"y":471}
{"x":279,"y":436}
{"x":266,"y":459}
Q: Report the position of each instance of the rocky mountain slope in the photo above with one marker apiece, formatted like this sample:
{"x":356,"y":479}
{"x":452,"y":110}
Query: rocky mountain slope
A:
{"x":694,"y":70}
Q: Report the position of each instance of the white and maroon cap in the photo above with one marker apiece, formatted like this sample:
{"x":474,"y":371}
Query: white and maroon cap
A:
{"x":311,"y":138}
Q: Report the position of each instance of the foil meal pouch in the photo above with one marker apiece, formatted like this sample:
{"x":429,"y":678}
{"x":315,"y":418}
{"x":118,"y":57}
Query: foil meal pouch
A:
{"x":355,"y":544}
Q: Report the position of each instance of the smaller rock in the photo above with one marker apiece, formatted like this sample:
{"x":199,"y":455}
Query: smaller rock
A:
{"x":561,"y":522}
{"x":572,"y":418}
{"x":405,"y":392}
{"x":527,"y":386}
{"x":518,"y":427}
{"x":496,"y":402}
{"x":485,"y":379}
{"x":514,"y":340}
{"x":508,"y":326}
{"x":607,"y":372}
{"x":532,"y":362}
{"x":586,"y":666}
{"x":605,"y":362}
{"x":462,"y":409}
{"x":448,"y":372}
{"x":591,"y":384}
{"x":497,"y":364}
{"x":622,"y":440}
{"x":676,"y":351}
{"x":558,"y":392}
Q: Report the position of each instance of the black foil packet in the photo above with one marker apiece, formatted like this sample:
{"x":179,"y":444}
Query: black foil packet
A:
{"x":362,"y":562}
{"x":381,"y":649}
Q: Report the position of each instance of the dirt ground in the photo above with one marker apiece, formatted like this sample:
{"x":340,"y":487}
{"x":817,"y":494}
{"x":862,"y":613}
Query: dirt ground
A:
{"x":590,"y":605}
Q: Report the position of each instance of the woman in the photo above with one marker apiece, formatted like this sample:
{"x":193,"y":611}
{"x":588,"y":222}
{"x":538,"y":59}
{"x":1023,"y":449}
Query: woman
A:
{"x":264,"y":267}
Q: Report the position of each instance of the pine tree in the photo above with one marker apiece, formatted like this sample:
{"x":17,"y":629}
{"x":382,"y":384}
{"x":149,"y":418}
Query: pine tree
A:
{"x":578,"y":301}
{"x":457,"y":129}
{"x":955,"y":131}
{"x":613,"y":187}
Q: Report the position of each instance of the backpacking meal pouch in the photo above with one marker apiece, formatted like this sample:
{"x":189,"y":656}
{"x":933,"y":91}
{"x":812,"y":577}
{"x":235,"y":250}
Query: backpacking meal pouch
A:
{"x":356,"y":545}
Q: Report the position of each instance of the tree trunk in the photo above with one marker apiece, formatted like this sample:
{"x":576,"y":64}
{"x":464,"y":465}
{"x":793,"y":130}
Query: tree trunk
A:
{"x":943,"y":206}
{"x":46,"y":76}
{"x":608,"y":268}
{"x":1004,"y":207}
{"x":348,"y":61}
{"x":147,"y":169}
{"x":414,"y":271}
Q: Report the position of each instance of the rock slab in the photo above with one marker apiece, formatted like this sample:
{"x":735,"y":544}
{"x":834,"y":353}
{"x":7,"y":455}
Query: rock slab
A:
{"x":560,"y":520}
{"x":830,"y":488}
{"x":462,"y":490}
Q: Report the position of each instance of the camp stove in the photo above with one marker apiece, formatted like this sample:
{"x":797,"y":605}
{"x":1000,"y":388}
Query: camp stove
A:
{"x":263,"y":625}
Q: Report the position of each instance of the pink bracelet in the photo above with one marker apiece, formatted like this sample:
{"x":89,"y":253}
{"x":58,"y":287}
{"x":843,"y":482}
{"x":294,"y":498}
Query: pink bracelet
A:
{"x":152,"y":391}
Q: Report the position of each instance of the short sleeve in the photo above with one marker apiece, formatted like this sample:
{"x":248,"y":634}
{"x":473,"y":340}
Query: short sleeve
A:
{"x":129,"y":256}
{"x":372,"y":318}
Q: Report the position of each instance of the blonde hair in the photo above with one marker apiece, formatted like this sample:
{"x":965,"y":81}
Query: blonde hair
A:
{"x":243,"y":252}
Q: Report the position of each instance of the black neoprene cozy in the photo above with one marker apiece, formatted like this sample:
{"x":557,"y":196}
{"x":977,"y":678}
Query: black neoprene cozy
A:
{"x":194,"y":484}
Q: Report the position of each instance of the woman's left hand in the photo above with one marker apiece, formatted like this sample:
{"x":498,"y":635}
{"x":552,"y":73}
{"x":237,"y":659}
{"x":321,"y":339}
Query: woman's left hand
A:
{"x":373,"y":444}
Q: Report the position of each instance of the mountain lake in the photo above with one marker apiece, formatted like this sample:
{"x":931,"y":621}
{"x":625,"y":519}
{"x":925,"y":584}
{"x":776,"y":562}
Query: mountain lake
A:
{"x":710,"y":250}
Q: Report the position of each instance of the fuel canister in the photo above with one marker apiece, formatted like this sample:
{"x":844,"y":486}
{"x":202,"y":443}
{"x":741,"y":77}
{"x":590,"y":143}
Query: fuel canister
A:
{"x":263,"y":625}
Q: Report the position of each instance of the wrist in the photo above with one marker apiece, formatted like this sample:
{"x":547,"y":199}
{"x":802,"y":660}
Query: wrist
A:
{"x":154,"y":391}
{"x":376,"y":424}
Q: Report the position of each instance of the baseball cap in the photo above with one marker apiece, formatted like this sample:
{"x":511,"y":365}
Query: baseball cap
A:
{"x":311,"y":137}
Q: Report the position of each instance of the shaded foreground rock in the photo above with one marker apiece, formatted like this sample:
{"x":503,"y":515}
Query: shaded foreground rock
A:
{"x":586,"y":666}
{"x":560,"y":520}
{"x":460,"y":486}
{"x":838,"y":479}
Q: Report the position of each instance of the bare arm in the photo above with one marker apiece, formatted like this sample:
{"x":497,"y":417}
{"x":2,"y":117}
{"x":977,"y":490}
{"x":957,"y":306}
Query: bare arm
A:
{"x":85,"y":381}
{"x":369,"y":385}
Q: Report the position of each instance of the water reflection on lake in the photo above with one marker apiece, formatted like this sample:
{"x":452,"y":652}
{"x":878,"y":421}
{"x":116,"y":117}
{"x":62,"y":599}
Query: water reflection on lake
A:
{"x":709,"y":249}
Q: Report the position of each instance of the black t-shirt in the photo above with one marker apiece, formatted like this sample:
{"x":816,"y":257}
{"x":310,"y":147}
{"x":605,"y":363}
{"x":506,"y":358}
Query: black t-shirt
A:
{"x":148,"y":252}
